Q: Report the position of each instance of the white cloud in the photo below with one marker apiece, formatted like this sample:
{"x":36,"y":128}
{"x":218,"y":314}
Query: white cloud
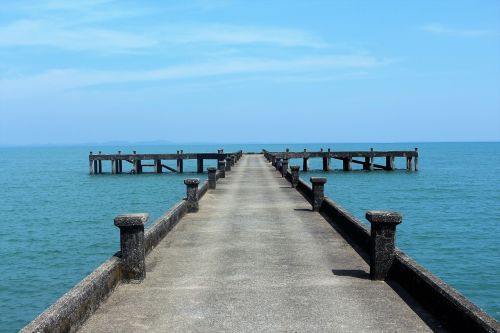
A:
{"x":43,"y":33}
{"x":233,"y":35}
{"x":440,"y":29}
{"x":64,"y":35}
{"x":55,"y":81}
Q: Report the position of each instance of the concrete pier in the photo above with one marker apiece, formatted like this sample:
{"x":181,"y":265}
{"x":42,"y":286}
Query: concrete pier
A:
{"x":256,"y":258}
{"x":364,"y":158}
{"x":139,"y":161}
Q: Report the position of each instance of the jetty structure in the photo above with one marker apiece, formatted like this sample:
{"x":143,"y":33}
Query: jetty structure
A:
{"x":139,"y":161}
{"x":155,"y":161}
{"x":258,"y":248}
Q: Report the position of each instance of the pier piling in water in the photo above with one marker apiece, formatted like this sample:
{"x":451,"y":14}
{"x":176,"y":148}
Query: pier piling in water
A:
{"x":364,"y":158}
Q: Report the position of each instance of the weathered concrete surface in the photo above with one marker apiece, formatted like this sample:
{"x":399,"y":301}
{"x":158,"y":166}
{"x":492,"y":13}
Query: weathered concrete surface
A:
{"x":256,"y":258}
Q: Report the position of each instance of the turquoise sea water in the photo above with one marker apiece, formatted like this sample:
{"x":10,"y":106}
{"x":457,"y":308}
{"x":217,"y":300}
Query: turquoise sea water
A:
{"x":57,"y":221}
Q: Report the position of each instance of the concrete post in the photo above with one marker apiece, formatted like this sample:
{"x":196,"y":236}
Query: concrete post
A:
{"x":408,"y":163}
{"x":212,"y":177}
{"x":100,"y":167}
{"x":416,"y":159}
{"x":295,"y":175}
{"x":318,"y":187}
{"x":221,"y":165}
{"x":118,"y":164}
{"x":304,"y":163}
{"x":284,"y":167}
{"x":199,"y":165}
{"x":228,"y":163}
{"x":192,"y":193}
{"x":96,"y":167}
{"x":137,"y":166}
{"x":367,"y":165}
{"x":383,"y":234}
{"x":180,"y":163}
{"x":278,"y":163}
{"x":113,"y":166}
{"x":158,"y":167}
{"x":369,"y":161}
{"x":273,"y":161}
{"x":347,"y":164}
{"x":133,"y":263}
{"x":326,"y":163}
{"x":233,"y":160}
{"x":389,"y":163}
{"x":91,"y":165}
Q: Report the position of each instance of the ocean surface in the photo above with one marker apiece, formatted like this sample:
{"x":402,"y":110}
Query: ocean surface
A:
{"x":57,"y":220}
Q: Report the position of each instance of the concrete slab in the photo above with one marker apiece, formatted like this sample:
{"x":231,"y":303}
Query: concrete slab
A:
{"x":256,"y":258}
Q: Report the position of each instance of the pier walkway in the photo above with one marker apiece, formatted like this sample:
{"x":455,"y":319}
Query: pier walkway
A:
{"x":256,"y":258}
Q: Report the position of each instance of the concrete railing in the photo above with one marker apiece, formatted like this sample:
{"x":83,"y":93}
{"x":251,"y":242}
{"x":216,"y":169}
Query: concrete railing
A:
{"x":444,"y":302}
{"x":70,"y":311}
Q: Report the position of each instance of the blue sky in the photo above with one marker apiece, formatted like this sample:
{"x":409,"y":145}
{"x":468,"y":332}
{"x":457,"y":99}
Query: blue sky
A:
{"x":249,"y":71}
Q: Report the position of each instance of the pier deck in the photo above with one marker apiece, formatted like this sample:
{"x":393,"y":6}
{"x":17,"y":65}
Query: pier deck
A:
{"x":256,"y":258}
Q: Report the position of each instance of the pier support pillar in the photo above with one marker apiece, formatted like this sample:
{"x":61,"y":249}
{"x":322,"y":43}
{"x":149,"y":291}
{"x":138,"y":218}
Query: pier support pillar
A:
{"x":318,"y":187}
{"x":137,"y":166}
{"x":383,"y":234}
{"x":221,"y":166}
{"x":326,"y":163}
{"x":133,"y":263}
{"x":199,"y":165}
{"x":347,"y":164}
{"x":228,"y":163}
{"x":295,"y":175}
{"x":180,"y":165}
{"x":158,"y":167}
{"x":416,"y":160}
{"x":305,"y":163}
{"x":96,"y":171}
{"x":113,"y":166}
{"x":119,"y":168}
{"x":100,"y":167}
{"x":389,"y":163}
{"x":284,"y":167}
{"x":408,"y":163}
{"x":212,"y":177}
{"x":192,"y":193}
{"x":368,"y":165}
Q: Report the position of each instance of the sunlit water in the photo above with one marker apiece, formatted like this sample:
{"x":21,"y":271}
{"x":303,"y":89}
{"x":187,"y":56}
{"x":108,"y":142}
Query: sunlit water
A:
{"x":57,"y":221}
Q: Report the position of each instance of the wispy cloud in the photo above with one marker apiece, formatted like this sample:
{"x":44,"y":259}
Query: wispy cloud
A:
{"x":55,"y":81}
{"x":440,"y":29}
{"x":43,"y":33}
{"x":95,"y":25}
{"x":70,"y":37}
